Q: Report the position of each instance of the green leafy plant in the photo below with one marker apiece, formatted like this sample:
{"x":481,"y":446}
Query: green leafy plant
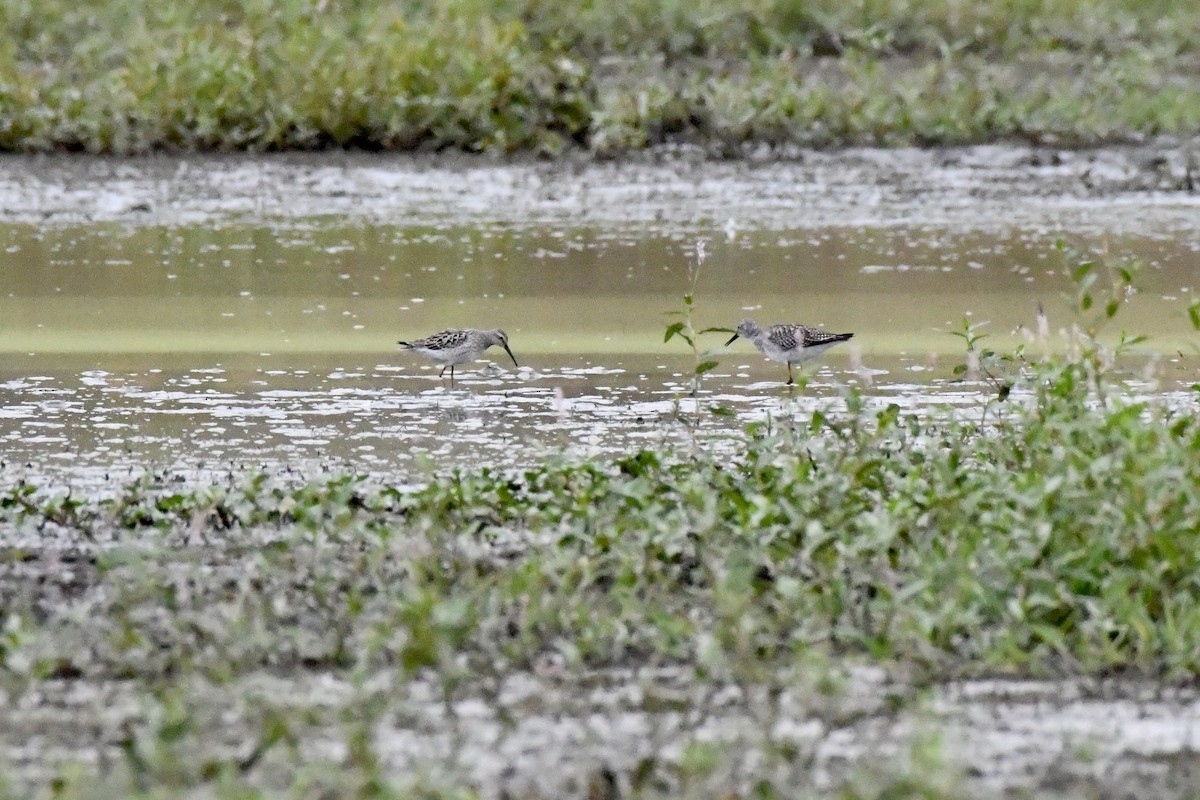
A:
{"x":1101,"y":285}
{"x":997,"y":370}
{"x":684,"y":328}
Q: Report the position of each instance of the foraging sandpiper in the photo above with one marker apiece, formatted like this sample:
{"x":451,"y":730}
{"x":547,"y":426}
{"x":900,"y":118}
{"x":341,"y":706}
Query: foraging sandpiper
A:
{"x":791,"y":344}
{"x":455,"y":346}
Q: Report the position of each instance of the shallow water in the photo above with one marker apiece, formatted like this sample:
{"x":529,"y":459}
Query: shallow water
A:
{"x":208,"y":348}
{"x":339,"y":286}
{"x":318,"y":412}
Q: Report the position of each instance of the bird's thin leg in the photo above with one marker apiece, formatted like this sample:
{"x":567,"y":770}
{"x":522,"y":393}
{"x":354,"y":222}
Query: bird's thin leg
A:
{"x":791,"y":380}
{"x":451,"y":376}
{"x":443,"y":372}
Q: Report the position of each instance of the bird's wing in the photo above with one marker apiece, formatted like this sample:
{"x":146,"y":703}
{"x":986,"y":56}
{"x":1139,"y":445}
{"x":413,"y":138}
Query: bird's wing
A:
{"x":786,"y":337}
{"x":816,"y":336}
{"x":443,"y":340}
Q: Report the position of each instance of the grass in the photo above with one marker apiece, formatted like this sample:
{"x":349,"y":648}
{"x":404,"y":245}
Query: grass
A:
{"x":1057,"y":537}
{"x":126,"y":76}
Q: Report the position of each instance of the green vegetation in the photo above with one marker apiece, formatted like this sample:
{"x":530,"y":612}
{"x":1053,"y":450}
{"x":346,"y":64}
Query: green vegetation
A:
{"x":1057,"y":538}
{"x":685,"y":327}
{"x":128,"y":76}
{"x":1061,"y":538}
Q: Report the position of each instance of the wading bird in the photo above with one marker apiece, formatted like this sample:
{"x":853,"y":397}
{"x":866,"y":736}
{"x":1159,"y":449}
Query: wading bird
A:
{"x":453,"y":347}
{"x":791,"y":344}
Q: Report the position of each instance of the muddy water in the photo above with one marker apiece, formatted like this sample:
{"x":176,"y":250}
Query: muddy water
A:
{"x":341,"y":287}
{"x":208,"y":348}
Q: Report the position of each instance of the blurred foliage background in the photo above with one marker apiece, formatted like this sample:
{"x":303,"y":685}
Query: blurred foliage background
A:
{"x":130,"y":76}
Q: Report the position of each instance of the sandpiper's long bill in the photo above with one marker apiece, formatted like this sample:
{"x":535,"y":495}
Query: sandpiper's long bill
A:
{"x":458,"y":346}
{"x":789,"y":343}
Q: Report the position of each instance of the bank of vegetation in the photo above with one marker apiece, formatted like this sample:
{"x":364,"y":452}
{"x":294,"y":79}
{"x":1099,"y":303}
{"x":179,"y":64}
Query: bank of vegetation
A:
{"x":525,"y":76}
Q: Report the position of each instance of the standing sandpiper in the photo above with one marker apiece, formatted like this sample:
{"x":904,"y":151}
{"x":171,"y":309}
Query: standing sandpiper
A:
{"x":791,"y":344}
{"x":454,"y":346}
